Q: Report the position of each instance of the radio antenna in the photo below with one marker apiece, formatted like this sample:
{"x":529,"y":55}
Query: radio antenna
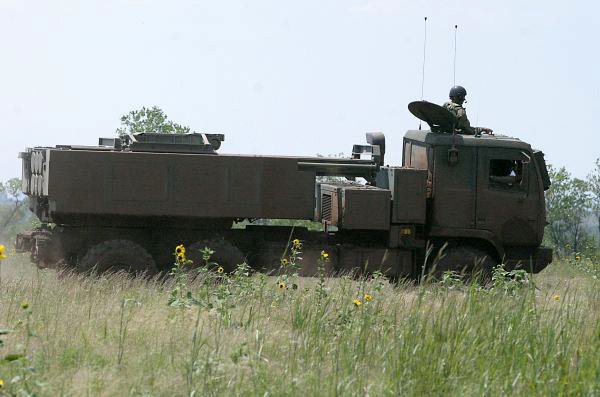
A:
{"x":455,"y":30}
{"x":424,"y":53}
{"x":423,"y":71}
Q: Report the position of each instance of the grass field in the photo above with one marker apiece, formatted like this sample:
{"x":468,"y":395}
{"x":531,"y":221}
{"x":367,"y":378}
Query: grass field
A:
{"x":247,"y":336}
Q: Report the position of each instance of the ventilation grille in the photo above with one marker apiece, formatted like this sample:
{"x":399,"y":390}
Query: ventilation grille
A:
{"x":326,"y":207}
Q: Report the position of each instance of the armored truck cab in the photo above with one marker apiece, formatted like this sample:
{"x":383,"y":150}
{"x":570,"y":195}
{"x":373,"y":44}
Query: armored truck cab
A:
{"x":479,"y":194}
{"x":475,"y":201}
{"x":485,"y":189}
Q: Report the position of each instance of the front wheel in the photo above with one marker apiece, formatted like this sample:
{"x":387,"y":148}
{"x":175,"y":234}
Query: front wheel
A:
{"x":468,"y":262}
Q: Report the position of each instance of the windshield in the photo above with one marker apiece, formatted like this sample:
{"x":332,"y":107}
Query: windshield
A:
{"x":539,"y":159}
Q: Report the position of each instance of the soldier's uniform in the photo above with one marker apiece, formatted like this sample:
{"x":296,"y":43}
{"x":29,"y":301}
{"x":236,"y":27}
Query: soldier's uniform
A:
{"x":462,"y":122}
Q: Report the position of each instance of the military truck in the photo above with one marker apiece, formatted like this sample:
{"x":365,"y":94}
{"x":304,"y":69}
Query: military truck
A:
{"x":125,"y":203}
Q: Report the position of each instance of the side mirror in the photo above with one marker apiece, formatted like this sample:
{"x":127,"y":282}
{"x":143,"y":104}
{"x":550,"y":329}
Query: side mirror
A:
{"x":377,"y":139}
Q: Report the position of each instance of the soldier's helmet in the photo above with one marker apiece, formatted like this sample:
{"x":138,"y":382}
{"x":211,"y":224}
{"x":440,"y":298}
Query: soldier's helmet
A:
{"x":457,"y":91}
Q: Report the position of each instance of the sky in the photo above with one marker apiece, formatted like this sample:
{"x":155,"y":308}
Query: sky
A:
{"x":301,"y":77}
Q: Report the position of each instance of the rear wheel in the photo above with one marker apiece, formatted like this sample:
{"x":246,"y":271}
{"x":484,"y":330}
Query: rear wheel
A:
{"x":225,"y":254}
{"x":115,"y":255}
{"x":468,"y":262}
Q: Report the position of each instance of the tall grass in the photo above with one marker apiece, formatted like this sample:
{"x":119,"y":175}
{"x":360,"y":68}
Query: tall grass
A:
{"x":114,"y":335}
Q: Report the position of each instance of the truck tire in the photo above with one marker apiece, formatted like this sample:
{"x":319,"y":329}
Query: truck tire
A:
{"x":115,"y":255}
{"x":467,"y":261}
{"x":225,"y":254}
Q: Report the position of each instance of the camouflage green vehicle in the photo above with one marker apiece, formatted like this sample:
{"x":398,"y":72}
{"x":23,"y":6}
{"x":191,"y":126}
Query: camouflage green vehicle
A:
{"x":125,"y":203}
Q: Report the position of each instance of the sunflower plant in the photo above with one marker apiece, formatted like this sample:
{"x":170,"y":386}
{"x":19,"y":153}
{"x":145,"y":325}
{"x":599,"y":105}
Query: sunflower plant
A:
{"x":291,"y":257}
{"x":320,"y":289}
{"x":289,"y":266}
{"x":180,"y":295}
{"x":216,"y":287}
{"x":2,"y":257}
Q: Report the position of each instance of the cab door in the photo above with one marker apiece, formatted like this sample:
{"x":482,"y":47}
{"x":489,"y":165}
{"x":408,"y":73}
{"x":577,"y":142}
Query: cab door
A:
{"x":508,"y":196}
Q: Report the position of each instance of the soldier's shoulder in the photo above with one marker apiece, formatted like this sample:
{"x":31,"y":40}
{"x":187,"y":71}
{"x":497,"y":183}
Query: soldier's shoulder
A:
{"x":452,"y":105}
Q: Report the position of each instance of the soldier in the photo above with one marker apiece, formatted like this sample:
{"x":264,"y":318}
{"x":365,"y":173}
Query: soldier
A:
{"x":457,"y":98}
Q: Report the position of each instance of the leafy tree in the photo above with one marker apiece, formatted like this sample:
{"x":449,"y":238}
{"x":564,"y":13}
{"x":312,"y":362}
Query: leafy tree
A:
{"x":567,"y":204}
{"x":149,"y":120}
{"x":594,"y":185}
{"x":14,"y":212}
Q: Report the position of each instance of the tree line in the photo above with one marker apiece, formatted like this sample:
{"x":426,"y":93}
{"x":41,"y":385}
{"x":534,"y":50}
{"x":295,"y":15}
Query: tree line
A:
{"x":14,"y":212}
{"x":573,"y":211}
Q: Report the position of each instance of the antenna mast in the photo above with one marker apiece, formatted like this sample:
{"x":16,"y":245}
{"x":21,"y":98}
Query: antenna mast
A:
{"x":455,"y":30}
{"x":424,"y":53}
{"x":423,"y":71}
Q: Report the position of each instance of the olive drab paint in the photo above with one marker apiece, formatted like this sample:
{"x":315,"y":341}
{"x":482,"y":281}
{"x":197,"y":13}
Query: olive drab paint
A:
{"x":155,"y":191}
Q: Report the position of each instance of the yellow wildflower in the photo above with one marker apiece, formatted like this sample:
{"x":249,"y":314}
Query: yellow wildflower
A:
{"x":296,"y":243}
{"x":368,"y":297}
{"x":1,"y":383}
{"x":181,"y":258}
{"x":220,"y":269}
{"x":357,"y":302}
{"x":180,"y":249}
{"x":284,"y":261}
{"x":556,"y":298}
{"x":24,"y":305}
{"x":2,"y":249}
{"x":324,"y":255}
{"x":281,"y":285}
{"x":577,"y":257}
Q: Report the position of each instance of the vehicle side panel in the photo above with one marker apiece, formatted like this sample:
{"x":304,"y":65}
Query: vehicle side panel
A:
{"x":178,"y":185}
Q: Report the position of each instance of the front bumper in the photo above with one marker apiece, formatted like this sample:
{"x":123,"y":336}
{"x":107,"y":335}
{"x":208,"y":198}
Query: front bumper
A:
{"x":543,"y":258}
{"x":533,"y":260}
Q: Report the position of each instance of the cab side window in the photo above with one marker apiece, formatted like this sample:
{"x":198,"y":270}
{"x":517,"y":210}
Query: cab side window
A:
{"x":506,"y":174}
{"x":406,"y":155}
{"x":418,"y":156}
